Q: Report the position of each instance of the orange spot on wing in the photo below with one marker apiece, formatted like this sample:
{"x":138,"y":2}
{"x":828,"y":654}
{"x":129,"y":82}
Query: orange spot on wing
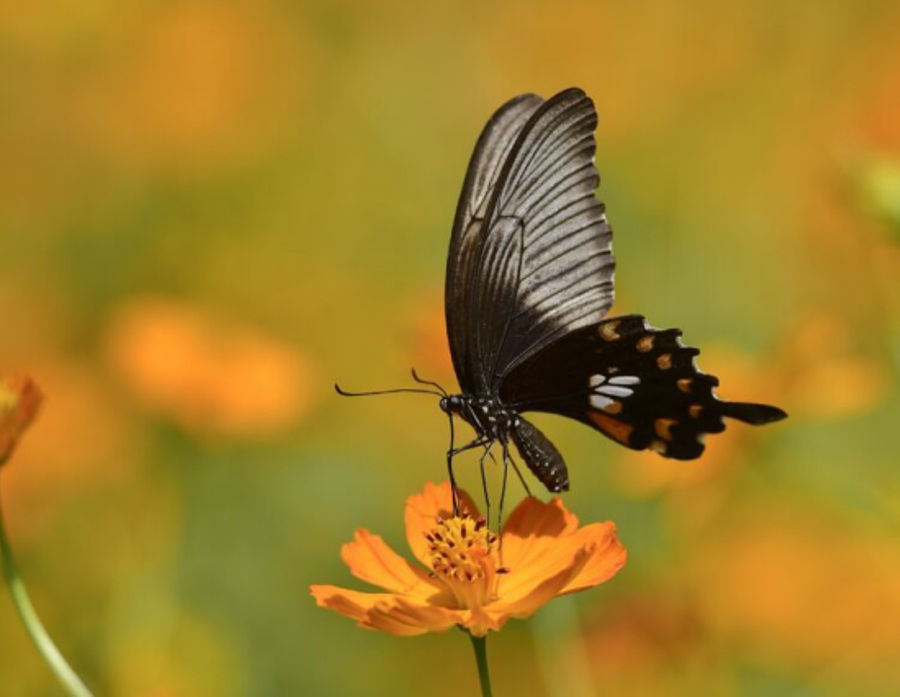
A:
{"x":613,"y":408}
{"x":645,"y":343}
{"x":664,"y":428}
{"x":608,"y":330}
{"x":664,"y":361}
{"x":684,"y":384}
{"x":615,"y":429}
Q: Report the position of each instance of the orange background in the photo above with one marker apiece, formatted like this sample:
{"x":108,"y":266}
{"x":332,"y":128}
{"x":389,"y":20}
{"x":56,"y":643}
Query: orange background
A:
{"x":211,"y":211}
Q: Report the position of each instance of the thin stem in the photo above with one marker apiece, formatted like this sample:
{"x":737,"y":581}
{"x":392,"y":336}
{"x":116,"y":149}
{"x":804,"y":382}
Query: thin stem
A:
{"x":479,"y":644}
{"x":67,"y":677}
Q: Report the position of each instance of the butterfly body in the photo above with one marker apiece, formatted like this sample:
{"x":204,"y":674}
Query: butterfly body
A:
{"x":493,"y":422}
{"x":486,"y":415}
{"x":529,"y":282}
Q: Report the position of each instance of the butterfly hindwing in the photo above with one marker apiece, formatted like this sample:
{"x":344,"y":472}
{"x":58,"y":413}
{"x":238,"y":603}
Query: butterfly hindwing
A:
{"x":634,"y":383}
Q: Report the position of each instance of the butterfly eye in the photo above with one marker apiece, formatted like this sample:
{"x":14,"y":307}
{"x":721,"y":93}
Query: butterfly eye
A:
{"x":451,"y":405}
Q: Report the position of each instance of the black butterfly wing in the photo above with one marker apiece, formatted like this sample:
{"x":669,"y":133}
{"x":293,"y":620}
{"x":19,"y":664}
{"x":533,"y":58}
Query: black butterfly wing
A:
{"x":530,"y":257}
{"x":493,"y":147}
{"x":636,"y":384}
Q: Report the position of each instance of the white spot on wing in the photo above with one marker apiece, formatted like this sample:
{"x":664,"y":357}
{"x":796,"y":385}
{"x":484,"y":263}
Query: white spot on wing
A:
{"x":615,"y":391}
{"x":596,"y":381}
{"x":625,"y":380}
{"x":600,"y":402}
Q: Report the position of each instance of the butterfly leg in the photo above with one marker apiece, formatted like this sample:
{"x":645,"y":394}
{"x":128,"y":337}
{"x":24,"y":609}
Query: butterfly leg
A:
{"x":508,"y":462}
{"x":511,"y":461}
{"x":477,"y":443}
{"x":453,"y":487}
{"x":484,"y":484}
{"x":453,"y":452}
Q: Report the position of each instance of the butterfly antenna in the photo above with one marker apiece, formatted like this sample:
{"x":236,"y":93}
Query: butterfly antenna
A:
{"x":421,"y":381}
{"x":413,"y":390}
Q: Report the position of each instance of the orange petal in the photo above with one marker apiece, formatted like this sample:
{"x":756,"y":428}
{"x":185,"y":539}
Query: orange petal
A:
{"x":527,"y":599}
{"x":371,"y":560}
{"x":352,"y":604}
{"x":557,"y":556}
{"x":480,"y":621}
{"x":533,"y":528}
{"x":20,"y":399}
{"x":407,"y":617}
{"x":423,"y":509}
{"x":385,"y":612}
{"x":606,"y":556}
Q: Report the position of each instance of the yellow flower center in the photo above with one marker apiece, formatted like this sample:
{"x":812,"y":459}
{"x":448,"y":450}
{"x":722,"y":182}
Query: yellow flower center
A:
{"x":464,"y":556}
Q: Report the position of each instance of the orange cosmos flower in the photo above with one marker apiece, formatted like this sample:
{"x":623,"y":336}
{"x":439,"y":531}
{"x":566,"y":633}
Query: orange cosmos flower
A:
{"x":471,"y":577}
{"x":20,"y":399}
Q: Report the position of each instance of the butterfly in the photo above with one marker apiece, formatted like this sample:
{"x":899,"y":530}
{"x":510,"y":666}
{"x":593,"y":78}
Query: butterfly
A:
{"x":529,"y":282}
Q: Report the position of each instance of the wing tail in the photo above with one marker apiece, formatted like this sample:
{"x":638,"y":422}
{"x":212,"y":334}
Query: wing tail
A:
{"x":755,"y":414}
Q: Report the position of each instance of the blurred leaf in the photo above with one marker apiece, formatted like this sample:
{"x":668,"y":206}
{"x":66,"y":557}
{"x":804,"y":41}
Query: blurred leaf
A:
{"x":878,"y":185}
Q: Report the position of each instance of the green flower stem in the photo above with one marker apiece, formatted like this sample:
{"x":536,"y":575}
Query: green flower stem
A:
{"x":63,"y":671}
{"x":479,"y":643}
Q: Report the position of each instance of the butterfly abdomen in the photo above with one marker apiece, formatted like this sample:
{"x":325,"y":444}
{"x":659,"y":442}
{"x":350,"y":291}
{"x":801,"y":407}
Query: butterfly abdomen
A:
{"x":541,"y":456}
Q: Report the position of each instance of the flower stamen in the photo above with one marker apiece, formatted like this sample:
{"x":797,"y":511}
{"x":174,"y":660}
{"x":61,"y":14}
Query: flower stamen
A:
{"x":464,"y":556}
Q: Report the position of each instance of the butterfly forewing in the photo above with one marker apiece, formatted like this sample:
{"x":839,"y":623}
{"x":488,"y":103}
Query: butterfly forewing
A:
{"x":491,"y":151}
{"x":530,"y":257}
{"x":636,"y":384}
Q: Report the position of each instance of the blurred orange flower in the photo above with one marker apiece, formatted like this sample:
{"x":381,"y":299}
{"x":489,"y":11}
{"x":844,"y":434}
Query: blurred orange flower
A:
{"x":648,"y":638}
{"x":472,"y":578}
{"x":825,"y":376}
{"x":20,"y":399}
{"x":205,"y":373}
{"x":806,"y":585}
{"x":191,"y":85}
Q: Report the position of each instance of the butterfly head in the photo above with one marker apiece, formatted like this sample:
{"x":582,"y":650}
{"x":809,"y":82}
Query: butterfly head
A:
{"x":452,"y":404}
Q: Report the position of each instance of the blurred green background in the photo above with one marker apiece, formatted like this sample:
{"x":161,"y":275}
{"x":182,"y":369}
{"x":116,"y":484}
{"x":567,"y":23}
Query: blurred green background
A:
{"x":212,"y":210}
